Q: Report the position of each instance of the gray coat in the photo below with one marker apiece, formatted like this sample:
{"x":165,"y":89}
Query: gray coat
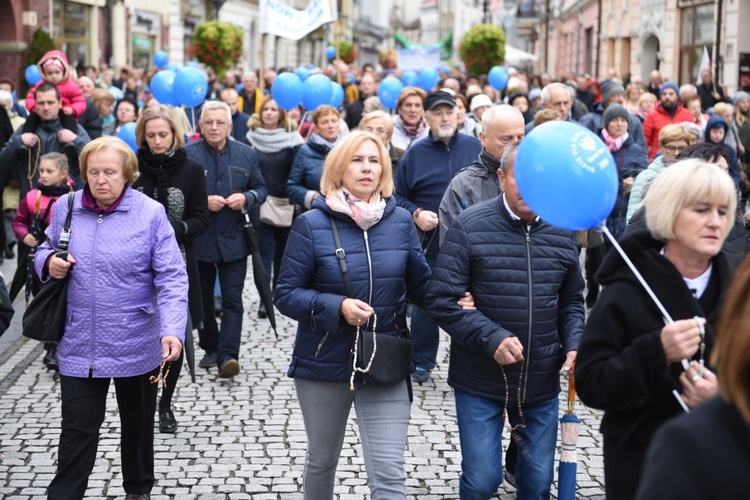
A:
{"x":475,"y":183}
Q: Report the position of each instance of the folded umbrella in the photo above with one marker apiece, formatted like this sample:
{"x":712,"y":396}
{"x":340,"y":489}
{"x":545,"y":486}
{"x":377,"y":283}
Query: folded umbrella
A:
{"x":569,"y":427}
{"x":260,"y":276}
{"x":190,"y":352}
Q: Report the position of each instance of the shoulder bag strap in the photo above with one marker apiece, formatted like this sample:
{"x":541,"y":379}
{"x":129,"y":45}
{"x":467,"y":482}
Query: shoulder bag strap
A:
{"x":341,"y":256}
{"x":65,"y":233}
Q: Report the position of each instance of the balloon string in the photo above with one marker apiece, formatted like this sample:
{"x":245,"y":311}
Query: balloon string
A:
{"x":192,"y":125}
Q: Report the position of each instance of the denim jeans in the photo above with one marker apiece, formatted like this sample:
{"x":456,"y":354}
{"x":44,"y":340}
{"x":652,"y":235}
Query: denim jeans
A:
{"x":225,"y":343}
{"x":383,"y":421}
{"x":425,"y":334}
{"x":480,"y":425}
{"x":272,"y":242}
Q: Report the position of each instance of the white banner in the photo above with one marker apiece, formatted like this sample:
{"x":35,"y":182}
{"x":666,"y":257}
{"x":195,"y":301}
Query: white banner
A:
{"x":281,"y":20}
{"x":705,"y":64}
{"x":420,"y":58}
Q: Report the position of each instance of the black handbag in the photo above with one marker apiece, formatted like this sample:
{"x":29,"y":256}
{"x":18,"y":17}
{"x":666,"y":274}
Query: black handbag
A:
{"x":44,"y":319}
{"x":377,"y":358}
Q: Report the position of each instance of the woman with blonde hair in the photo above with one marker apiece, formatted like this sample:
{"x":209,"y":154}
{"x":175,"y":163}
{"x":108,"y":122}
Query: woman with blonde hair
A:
{"x":646,"y":102}
{"x":706,"y":453}
{"x":633,"y":93}
{"x":274,"y":137}
{"x":386,"y":267}
{"x":630,"y":364}
{"x":179,"y":184}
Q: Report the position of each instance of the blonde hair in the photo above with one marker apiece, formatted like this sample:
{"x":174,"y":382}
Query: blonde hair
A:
{"x":59,"y":159}
{"x":646,"y":96}
{"x":732,"y":344}
{"x":372,"y":115}
{"x":674,"y":132}
{"x":722,"y":108}
{"x":323,"y":111}
{"x":256,"y":121}
{"x":340,"y":157}
{"x":154,"y":113}
{"x":101,"y":96}
{"x":546,"y":115}
{"x":129,"y":162}
{"x":684,"y":184}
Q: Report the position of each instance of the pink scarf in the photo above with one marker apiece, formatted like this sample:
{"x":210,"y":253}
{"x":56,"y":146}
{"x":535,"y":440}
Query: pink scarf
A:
{"x":614,"y":145}
{"x":364,"y":214}
{"x":415,"y":131}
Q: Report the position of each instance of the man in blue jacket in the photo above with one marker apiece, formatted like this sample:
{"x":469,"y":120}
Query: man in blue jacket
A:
{"x":234,"y":183}
{"x":506,"y":354}
{"x":422,"y":177}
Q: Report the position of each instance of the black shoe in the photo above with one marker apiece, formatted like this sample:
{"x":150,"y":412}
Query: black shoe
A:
{"x":167,"y":423}
{"x":70,"y":149}
{"x":136,"y":496}
{"x":9,"y":253}
{"x":50,"y":359}
{"x":262,"y":313}
{"x":229,"y":368}
{"x":217,"y":306}
{"x":208,"y":361}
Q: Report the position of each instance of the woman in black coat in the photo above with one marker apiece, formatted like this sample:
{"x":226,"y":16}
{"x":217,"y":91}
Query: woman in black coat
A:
{"x":276,"y":141}
{"x":179,"y":183}
{"x":629,"y":363}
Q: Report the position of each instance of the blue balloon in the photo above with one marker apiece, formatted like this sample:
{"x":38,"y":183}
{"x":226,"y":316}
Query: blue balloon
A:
{"x":498,"y":77}
{"x":331,"y":52}
{"x":127,"y":135}
{"x":116,"y":93}
{"x":287,"y":90}
{"x":316,"y":91}
{"x":190,"y":87}
{"x":191,"y":64}
{"x":172,"y":67}
{"x":389,"y":90}
{"x":162,"y":86}
{"x":337,"y":96}
{"x":566,"y":175}
{"x":239,"y":88}
{"x":32,"y":74}
{"x":160,"y":59}
{"x":428,"y":78}
{"x":410,"y":78}
{"x":302,"y":73}
{"x":352,"y":78}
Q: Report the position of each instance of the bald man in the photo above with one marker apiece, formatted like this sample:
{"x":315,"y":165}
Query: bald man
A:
{"x":90,"y":119}
{"x":502,"y":126}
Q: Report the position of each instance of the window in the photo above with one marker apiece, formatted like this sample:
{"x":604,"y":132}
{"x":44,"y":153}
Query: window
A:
{"x":697,"y":31}
{"x":70,"y":28}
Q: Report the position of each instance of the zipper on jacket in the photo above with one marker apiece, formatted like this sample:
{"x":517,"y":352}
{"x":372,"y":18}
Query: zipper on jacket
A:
{"x":450,"y":161}
{"x":320,"y":344}
{"x":313,"y":323}
{"x":93,"y":299}
{"x":527,"y":233}
{"x":369,"y":267}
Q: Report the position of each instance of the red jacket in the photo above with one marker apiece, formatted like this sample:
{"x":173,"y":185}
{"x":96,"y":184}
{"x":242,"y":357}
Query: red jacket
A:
{"x":70,"y":93}
{"x":656,"y":120}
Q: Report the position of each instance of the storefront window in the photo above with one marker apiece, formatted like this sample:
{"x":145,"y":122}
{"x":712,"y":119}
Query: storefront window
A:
{"x":697,"y":32}
{"x":70,"y":27}
{"x":143,"y":48}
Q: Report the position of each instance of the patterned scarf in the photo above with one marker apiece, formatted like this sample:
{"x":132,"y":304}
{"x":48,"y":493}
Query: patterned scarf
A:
{"x":614,"y":145}
{"x":412,"y":132}
{"x":155,"y":170}
{"x":364,"y":214}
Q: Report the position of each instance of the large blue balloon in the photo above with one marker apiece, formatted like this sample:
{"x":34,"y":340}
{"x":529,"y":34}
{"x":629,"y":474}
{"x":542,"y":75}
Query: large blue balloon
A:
{"x":566,"y":175}
{"x":389,"y":90}
{"x":287,"y":90}
{"x":192,"y":64}
{"x":316,"y":91}
{"x":172,"y":67}
{"x":498,"y":77}
{"x":32,"y":74}
{"x":127,"y":134}
{"x":410,"y":78}
{"x":302,"y":72}
{"x":162,"y":86}
{"x":160,"y":59}
{"x":337,"y":96}
{"x":190,"y":87}
{"x":428,"y":78}
{"x":331,"y":52}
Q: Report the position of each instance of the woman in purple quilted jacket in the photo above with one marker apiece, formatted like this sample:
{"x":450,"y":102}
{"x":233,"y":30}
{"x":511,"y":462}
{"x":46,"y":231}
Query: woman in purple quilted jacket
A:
{"x":127,"y":297}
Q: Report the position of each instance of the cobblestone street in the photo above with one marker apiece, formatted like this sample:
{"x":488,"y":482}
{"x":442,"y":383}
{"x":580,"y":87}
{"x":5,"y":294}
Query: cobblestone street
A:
{"x":242,"y":438}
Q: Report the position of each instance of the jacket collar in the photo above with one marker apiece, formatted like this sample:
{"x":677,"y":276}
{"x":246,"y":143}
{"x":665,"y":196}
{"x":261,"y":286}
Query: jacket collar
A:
{"x":512,"y":218}
{"x":436,"y":140}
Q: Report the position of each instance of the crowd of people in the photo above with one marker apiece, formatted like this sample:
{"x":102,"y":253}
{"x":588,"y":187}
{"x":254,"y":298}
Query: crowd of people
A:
{"x":377,"y":224}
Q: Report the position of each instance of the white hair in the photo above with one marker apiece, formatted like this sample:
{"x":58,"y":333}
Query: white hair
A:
{"x":210,"y":105}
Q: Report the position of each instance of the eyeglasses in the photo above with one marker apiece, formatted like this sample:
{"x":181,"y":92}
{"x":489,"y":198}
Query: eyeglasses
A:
{"x":674,"y":149}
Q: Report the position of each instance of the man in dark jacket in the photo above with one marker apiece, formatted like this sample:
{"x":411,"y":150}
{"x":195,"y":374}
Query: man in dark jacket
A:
{"x":421,"y":180}
{"x":367,"y":88}
{"x":506,"y":354}
{"x":709,"y":92}
{"x":239,"y":119}
{"x":613,"y":93}
{"x":234,"y":184}
{"x":90,"y":119}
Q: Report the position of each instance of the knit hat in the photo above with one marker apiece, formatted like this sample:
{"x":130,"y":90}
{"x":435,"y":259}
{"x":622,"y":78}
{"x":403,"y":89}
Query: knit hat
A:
{"x":535,"y":94}
{"x":669,"y":85}
{"x":480,"y":100}
{"x":613,"y":111}
{"x":610,"y":89}
{"x":741,"y":95}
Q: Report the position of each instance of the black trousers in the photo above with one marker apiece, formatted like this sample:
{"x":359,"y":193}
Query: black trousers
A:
{"x":83,"y":408}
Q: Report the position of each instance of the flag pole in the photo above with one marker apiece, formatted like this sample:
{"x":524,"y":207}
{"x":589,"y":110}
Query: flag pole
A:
{"x":261,"y":79}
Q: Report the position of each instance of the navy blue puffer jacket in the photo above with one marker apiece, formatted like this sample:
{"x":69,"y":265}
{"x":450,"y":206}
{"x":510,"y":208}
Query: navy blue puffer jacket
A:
{"x":526,"y":283}
{"x":307,"y":170}
{"x":311,"y":288}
